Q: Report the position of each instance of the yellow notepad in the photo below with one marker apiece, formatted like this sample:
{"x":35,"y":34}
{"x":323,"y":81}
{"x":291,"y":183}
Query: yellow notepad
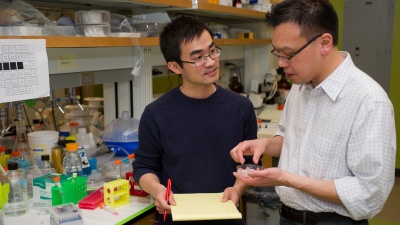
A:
{"x":203,"y":206}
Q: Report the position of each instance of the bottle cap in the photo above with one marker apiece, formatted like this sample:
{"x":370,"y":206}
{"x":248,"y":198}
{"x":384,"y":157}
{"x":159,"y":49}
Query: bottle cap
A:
{"x":15,"y":153}
{"x":45,"y":157}
{"x":56,"y":179}
{"x":117,"y":162}
{"x":131,"y":156}
{"x":65,"y":142}
{"x":101,"y":205}
{"x":74,"y":124}
{"x":71,"y":146}
{"x":12,"y":166}
{"x":3,"y":149}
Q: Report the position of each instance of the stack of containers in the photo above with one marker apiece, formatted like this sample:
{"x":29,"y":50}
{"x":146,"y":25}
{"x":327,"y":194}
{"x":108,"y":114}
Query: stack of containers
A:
{"x":93,"y":23}
{"x":94,"y":104}
{"x":74,"y":113}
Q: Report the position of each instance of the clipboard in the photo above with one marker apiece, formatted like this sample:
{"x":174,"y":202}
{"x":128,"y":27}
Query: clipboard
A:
{"x":203,"y":206}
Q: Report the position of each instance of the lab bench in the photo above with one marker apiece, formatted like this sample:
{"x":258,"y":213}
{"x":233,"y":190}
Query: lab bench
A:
{"x":139,"y":211}
{"x":135,"y":212}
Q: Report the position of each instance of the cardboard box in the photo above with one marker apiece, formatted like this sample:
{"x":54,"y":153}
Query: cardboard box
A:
{"x":42,"y":185}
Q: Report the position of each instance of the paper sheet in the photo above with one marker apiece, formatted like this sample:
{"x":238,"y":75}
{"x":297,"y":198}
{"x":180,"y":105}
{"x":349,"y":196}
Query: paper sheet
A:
{"x":203,"y":206}
{"x":24,"y":70}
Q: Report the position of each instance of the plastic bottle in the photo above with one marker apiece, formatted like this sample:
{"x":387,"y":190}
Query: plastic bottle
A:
{"x":3,"y":156}
{"x":118,"y":166}
{"x":58,"y":184}
{"x":36,"y":125}
{"x":18,"y":158}
{"x":72,"y":162}
{"x":45,"y":164}
{"x":131,"y":158}
{"x":16,"y":155}
{"x":17,"y":198}
{"x":83,"y":139}
{"x":21,"y":141}
{"x":73,"y":128}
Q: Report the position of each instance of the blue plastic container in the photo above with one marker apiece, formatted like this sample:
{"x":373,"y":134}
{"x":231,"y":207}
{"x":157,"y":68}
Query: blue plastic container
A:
{"x":122,"y":148}
{"x":121,"y":135}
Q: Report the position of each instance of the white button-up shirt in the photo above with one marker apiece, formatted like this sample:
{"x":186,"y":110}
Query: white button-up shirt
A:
{"x":341,"y":130}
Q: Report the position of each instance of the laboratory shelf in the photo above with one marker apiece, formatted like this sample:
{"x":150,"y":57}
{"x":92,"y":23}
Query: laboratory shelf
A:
{"x":226,"y":12}
{"x":93,"y":42}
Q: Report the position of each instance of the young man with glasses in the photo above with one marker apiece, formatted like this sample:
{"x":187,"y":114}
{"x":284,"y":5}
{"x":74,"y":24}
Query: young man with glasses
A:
{"x":336,"y":138}
{"x":186,"y":135}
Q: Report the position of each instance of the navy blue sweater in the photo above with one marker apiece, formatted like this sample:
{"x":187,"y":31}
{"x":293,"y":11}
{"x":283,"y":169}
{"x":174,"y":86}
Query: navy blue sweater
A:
{"x":189,"y":140}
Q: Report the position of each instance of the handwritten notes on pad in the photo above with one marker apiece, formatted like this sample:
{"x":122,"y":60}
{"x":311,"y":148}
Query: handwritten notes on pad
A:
{"x":203,"y":206}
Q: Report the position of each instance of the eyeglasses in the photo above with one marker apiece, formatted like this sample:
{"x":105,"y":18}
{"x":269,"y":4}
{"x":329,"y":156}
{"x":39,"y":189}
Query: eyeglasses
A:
{"x":203,"y":59}
{"x":287,"y":59}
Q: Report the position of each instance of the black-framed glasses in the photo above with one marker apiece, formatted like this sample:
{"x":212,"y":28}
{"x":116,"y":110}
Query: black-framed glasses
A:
{"x":216,"y":52}
{"x":287,"y":59}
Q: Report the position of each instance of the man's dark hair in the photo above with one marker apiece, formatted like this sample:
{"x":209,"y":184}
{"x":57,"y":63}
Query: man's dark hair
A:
{"x":313,"y":16}
{"x":183,"y":29}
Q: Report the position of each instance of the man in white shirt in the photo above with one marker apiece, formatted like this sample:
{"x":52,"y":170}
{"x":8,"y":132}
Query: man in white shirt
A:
{"x":336,"y":139}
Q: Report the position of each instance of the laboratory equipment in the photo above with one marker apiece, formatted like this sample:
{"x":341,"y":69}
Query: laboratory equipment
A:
{"x":246,"y":168}
{"x":121,"y":135}
{"x":93,"y":200}
{"x":116,"y":193}
{"x":72,"y":162}
{"x":18,"y":197}
{"x":3,"y":156}
{"x":135,"y":188}
{"x":114,"y":170}
{"x":41,"y":142}
{"x":45,"y":164}
{"x":72,"y":190}
{"x":65,"y":214}
{"x":83,"y":139}
{"x":108,"y":209}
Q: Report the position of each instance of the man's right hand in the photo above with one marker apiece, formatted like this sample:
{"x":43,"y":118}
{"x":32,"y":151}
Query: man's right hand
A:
{"x":254,"y":147}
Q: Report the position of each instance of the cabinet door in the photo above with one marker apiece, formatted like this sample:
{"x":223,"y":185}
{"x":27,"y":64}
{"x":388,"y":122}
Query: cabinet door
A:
{"x":368,"y":36}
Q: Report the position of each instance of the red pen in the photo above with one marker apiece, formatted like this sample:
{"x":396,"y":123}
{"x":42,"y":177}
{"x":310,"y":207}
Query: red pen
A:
{"x":167,"y":196}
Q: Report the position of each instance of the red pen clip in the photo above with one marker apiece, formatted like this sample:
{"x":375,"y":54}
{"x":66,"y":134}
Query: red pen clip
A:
{"x":167,"y":196}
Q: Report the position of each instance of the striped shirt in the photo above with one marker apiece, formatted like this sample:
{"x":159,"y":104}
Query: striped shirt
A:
{"x":341,"y":130}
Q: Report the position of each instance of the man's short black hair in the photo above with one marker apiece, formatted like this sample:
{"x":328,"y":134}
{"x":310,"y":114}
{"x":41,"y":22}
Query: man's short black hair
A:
{"x":183,"y":29}
{"x":313,"y":16}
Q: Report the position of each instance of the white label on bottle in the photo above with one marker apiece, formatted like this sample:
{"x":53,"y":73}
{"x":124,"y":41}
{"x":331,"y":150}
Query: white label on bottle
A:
{"x":82,"y":154}
{"x":37,"y":150}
